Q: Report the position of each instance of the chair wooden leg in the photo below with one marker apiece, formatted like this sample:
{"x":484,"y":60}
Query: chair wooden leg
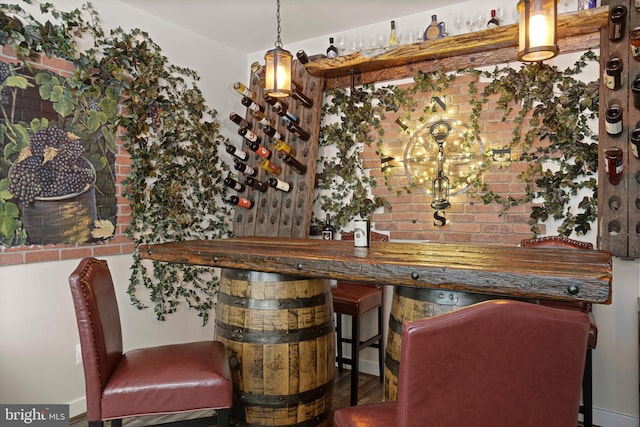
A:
{"x":587,"y":392}
{"x":116,"y":423}
{"x":380,"y":346}
{"x":339,"y":341}
{"x":95,"y":424}
{"x":223,"y":417}
{"x":355,"y":362}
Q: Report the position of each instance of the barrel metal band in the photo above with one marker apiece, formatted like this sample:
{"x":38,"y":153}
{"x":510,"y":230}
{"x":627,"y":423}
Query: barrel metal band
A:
{"x":274,"y":304}
{"x":253,"y":336}
{"x":311,"y":422}
{"x":285,"y":400}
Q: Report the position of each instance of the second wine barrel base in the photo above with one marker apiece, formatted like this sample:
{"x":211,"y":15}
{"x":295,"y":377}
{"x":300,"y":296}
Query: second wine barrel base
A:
{"x":279,"y":334}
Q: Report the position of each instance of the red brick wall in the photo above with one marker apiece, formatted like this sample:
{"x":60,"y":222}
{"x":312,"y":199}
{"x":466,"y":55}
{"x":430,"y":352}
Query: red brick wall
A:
{"x":119,"y":244}
{"x":468,"y":218}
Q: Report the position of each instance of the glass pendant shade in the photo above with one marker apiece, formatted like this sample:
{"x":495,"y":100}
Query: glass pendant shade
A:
{"x":537,"y":30}
{"x":277,"y":80}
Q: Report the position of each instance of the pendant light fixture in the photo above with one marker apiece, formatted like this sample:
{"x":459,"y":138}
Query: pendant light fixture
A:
{"x":278,"y":68}
{"x":537,"y":30}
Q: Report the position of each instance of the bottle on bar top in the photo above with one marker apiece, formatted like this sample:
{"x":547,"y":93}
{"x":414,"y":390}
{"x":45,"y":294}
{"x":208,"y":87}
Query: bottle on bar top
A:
{"x":294,"y":164}
{"x":279,"y":184}
{"x":237,"y":153}
{"x":243,"y":202}
{"x":258,"y":185}
{"x":493,"y":21}
{"x":237,"y":119}
{"x":332,"y":50}
{"x":393,"y":35}
{"x":327,"y":230}
{"x":243,"y":90}
{"x":269,"y":166}
{"x":232,"y":183}
{"x":244,"y":168}
{"x":435,"y":30}
{"x":296,"y":93}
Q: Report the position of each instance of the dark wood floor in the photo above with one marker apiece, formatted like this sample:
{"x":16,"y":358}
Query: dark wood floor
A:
{"x":370,"y":391}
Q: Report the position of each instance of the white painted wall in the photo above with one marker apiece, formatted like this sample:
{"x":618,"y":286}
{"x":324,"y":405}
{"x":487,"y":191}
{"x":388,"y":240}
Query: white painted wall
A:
{"x":38,"y":333}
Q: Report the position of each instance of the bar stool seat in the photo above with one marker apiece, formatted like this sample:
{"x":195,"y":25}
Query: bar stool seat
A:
{"x":355,"y":299}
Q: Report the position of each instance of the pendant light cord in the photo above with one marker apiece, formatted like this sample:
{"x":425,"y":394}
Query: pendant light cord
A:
{"x":278,"y":41}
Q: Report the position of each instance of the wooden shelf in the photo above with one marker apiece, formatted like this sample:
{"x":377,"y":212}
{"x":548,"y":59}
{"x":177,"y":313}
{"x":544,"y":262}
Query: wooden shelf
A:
{"x":580,"y":23}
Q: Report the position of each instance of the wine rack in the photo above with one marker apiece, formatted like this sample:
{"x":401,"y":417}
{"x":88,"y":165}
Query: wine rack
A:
{"x":274,"y":212}
{"x":619,"y":205}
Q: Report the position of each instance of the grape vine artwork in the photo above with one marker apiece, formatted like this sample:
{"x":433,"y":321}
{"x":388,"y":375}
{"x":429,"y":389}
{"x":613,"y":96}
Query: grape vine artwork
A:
{"x":57,"y":182}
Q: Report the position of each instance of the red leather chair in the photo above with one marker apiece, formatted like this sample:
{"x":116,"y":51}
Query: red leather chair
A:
{"x":147,"y":381}
{"x":355,"y":299}
{"x":586,"y":409}
{"x":494,"y":363}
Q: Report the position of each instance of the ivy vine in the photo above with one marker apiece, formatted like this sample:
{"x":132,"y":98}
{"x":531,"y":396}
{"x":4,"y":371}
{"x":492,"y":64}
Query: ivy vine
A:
{"x":172,"y":136}
{"x":552,"y":109}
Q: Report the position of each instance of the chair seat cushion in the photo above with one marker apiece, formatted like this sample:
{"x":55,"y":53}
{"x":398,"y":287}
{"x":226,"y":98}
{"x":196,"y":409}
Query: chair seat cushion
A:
{"x":377,"y":414}
{"x":167,"y":379}
{"x":355,"y":299}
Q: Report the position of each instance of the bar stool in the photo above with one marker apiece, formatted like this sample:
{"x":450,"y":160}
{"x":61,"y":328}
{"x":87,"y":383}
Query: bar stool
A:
{"x":586,"y":409}
{"x":355,"y":299}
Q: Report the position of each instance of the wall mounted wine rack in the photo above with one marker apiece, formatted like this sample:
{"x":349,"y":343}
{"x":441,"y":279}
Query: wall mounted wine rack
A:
{"x":619,"y":205}
{"x":274,"y":212}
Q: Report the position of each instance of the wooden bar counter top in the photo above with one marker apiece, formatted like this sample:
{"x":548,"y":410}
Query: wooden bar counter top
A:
{"x":500,"y":270}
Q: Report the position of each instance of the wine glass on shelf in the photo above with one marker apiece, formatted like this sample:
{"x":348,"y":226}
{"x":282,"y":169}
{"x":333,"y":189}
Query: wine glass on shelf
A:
{"x":341,"y":44}
{"x":458,"y":22}
{"x":481,"y":21}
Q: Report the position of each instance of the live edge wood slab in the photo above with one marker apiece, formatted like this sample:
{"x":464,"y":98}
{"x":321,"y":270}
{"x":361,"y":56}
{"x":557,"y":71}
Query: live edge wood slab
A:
{"x":557,"y":274}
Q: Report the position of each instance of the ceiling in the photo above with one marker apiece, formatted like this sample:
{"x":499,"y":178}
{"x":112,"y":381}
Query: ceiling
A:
{"x":250,"y":25}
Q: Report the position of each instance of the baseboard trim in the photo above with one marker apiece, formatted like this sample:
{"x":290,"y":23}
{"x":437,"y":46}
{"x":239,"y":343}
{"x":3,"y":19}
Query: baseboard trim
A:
{"x":77,"y":407}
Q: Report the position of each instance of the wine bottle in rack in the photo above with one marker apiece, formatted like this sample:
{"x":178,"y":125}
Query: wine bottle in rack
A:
{"x":232,"y":183}
{"x":294,"y":164}
{"x":236,"y":152}
{"x":260,"y":117}
{"x":284,"y":148}
{"x":243,"y":90}
{"x":269,"y":166}
{"x":296,"y":129}
{"x":296,"y":93}
{"x":279,"y":185}
{"x":239,"y":120}
{"x":251,"y":105}
{"x":302,"y":56}
{"x":258,"y":71}
{"x":280,"y":108}
{"x":257,"y":184}
{"x":271,"y":131}
{"x":243,"y":202}
{"x":245,"y":168}
{"x":249,"y":135}
{"x":259,"y":149}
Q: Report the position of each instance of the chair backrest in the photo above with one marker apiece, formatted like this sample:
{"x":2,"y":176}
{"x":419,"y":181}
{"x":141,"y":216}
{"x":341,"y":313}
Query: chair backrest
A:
{"x":99,"y":327}
{"x":495,"y":363}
